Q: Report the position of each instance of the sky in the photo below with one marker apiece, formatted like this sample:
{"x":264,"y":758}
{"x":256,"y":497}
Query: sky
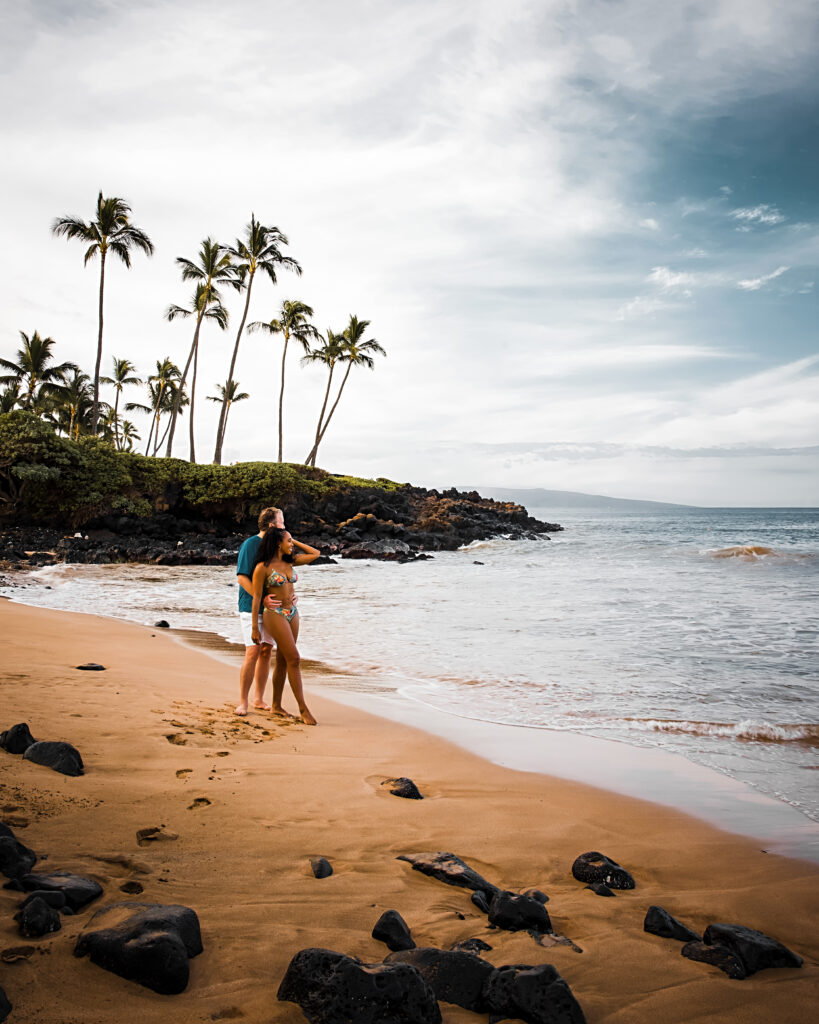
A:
{"x":586,"y":232}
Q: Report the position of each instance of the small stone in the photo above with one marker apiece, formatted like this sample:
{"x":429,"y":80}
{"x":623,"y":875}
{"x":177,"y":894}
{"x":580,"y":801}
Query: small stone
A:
{"x":331,"y":987}
{"x":37,"y":918}
{"x":659,"y":922}
{"x":471,"y":946}
{"x":60,"y":757}
{"x":717,"y":956}
{"x":516,"y":913}
{"x":322,"y":868}
{"x":756,"y":950}
{"x":480,"y":899}
{"x":17,"y":739}
{"x":78,"y":891}
{"x":162,"y":624}
{"x":448,"y":868}
{"x":52,"y":898}
{"x":393,"y":931}
{"x":144,"y":942}
{"x":403,"y":787}
{"x":597,"y":867}
{"x":91,"y":666}
{"x":15,"y":858}
{"x":600,"y":889}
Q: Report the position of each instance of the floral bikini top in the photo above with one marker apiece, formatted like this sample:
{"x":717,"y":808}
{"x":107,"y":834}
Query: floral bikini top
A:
{"x":277,"y":579}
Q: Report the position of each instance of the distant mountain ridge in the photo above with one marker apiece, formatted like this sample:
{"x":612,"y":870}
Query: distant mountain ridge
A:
{"x":538,"y":497}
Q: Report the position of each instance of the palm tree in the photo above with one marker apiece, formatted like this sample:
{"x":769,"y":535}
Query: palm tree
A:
{"x":33,"y":374}
{"x":163,"y":399}
{"x":292,"y":322}
{"x":111,"y":231}
{"x":9,"y":397}
{"x":228,"y":394}
{"x":73,"y":403}
{"x":357,"y":352}
{"x":129,"y":435}
{"x":328,"y":353}
{"x":123,"y":375}
{"x":258,"y":251}
{"x":214,"y":267}
{"x":167,"y":373}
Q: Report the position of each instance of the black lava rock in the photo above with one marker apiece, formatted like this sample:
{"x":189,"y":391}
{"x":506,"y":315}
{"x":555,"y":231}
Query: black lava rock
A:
{"x":17,"y":739}
{"x":446,"y":867}
{"x":454,"y":976}
{"x":717,"y":956}
{"x":659,"y":922}
{"x":471,"y":946}
{"x":755,"y":949}
{"x":162,"y":624}
{"x":600,"y":889}
{"x":59,"y":756}
{"x":78,"y":891}
{"x":480,"y":899}
{"x":37,"y":918}
{"x":15,"y":858}
{"x":405,"y":788}
{"x":53,"y":899}
{"x":517,"y":913}
{"x":536,"y":894}
{"x":597,"y":867}
{"x":5,"y":1005}
{"x":91,"y":666}
{"x":322,"y":868}
{"x":393,"y":931}
{"x":537,"y":995}
{"x":144,"y":942}
{"x":332,"y":988}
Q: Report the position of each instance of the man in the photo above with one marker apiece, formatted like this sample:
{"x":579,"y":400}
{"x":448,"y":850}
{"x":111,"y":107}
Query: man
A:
{"x":257,"y":656}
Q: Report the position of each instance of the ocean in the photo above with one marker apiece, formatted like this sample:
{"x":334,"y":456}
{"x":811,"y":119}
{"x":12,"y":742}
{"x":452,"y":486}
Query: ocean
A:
{"x":691,"y":631}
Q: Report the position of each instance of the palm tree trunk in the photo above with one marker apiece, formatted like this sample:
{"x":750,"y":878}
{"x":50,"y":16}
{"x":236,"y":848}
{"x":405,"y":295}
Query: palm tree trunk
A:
{"x":160,"y":443}
{"x":192,"y":457}
{"x":96,"y":406}
{"x":221,"y":430}
{"x":281,"y":397}
{"x":321,"y":417}
{"x":178,"y":400}
{"x":312,"y":456}
{"x":155,"y":417}
{"x":116,"y":422}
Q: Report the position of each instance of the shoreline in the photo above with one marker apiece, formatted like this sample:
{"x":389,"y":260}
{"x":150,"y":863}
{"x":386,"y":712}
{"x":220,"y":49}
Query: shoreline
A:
{"x":246,"y":802}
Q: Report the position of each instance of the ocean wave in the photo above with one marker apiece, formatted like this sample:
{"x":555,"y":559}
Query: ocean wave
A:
{"x":749,"y":730}
{"x":743,"y":551}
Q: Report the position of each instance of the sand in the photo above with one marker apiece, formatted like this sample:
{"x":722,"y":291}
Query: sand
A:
{"x":252,"y":800}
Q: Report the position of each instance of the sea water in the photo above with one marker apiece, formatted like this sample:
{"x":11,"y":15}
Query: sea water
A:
{"x":695,"y":631}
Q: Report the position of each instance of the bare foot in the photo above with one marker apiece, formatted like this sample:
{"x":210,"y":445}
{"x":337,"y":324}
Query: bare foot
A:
{"x":277,"y":709}
{"x":241,"y":710}
{"x":307,"y":717}
{"x":261,"y":706}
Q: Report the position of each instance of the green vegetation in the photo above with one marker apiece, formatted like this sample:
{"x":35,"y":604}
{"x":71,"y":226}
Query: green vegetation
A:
{"x":68,"y":399}
{"x":53,"y":480}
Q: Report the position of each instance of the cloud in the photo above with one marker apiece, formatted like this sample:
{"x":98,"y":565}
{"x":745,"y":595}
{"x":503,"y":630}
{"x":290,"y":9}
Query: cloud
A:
{"x":672,"y":280}
{"x":755,"y":283}
{"x":650,"y":224}
{"x":763,"y":214}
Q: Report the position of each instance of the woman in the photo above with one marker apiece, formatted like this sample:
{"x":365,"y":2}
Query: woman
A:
{"x":275,"y":574}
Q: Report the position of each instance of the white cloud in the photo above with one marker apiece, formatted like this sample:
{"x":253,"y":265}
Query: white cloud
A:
{"x":672,"y":280}
{"x":650,"y":224}
{"x":763,"y":214}
{"x":755,"y":283}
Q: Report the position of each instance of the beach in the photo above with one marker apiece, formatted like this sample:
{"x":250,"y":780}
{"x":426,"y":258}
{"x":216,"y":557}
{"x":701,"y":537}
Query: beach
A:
{"x":249,"y":802}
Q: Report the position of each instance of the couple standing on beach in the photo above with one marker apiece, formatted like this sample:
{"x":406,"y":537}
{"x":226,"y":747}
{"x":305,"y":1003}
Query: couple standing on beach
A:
{"x":265,"y":572}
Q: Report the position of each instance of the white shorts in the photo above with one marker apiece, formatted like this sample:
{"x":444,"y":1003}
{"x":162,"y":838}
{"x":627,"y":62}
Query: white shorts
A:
{"x":246,"y":621}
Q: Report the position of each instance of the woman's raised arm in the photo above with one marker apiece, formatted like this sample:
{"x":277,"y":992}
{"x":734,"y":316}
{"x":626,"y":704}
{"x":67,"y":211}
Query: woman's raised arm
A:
{"x":306,"y":553}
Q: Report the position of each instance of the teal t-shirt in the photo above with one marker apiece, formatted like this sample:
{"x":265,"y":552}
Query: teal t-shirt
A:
{"x":244,"y":567}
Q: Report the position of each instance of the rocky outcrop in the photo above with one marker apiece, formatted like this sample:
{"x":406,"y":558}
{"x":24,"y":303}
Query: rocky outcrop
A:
{"x":16,"y":859}
{"x":17,"y":739}
{"x":144,"y":942}
{"x":332,"y":987}
{"x":756,"y":950}
{"x":517,"y":913}
{"x":658,"y":921}
{"x":446,"y":867}
{"x":78,"y":890}
{"x":454,"y":976}
{"x":55,"y":754}
{"x":351,"y":522}
{"x":537,"y":995}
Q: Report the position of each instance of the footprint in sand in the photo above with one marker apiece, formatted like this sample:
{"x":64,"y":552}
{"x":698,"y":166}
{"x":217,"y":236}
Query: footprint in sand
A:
{"x":176,"y":738}
{"x":132,"y":888}
{"x":200,"y":801}
{"x":182,"y":772}
{"x":156,"y":834}
{"x":15,"y":953}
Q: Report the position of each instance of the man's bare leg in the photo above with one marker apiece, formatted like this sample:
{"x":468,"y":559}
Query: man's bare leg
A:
{"x":260,"y":676}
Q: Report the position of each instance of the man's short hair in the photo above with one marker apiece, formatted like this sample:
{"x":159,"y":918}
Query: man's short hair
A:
{"x":267,"y":517}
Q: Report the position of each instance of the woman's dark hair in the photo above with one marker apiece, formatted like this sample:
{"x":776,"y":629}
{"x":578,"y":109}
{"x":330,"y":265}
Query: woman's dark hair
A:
{"x":270,"y":545}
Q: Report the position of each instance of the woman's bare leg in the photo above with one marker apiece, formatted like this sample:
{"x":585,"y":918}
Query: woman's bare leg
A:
{"x":279,"y":679}
{"x":285,"y":634}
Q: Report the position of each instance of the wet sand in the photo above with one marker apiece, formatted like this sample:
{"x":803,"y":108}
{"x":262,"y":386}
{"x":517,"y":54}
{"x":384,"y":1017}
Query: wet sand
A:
{"x":252,"y":800}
